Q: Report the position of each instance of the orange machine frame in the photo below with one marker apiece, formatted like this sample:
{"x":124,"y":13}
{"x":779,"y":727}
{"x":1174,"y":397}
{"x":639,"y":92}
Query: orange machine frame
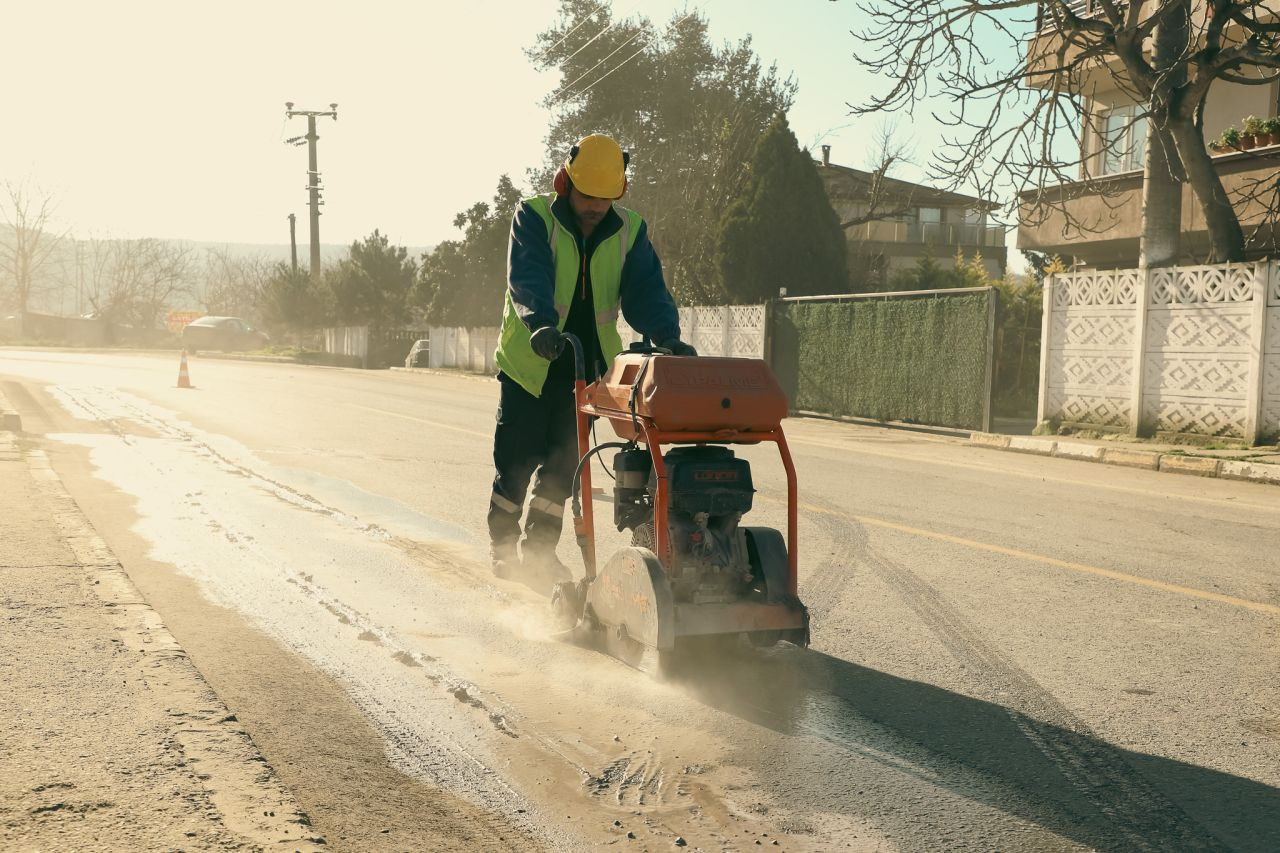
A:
{"x":584,"y":525}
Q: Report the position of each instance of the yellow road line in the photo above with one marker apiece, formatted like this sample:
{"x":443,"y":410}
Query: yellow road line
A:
{"x":1081,"y":568}
{"x":1112,"y":574}
{"x":1031,"y":475}
{"x":436,"y":424}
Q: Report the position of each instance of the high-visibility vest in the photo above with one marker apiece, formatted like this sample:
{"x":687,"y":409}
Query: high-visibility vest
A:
{"x":514,"y":355}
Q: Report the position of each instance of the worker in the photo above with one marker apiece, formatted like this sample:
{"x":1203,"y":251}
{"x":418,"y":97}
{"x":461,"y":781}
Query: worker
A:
{"x":574,"y":259}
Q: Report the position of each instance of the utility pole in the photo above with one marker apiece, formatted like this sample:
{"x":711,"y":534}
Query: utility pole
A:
{"x":79,"y":279}
{"x":293,"y":241}
{"x":313,"y":172}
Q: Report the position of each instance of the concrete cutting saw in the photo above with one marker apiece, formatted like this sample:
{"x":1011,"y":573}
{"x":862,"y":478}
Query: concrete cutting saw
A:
{"x":693,"y":574}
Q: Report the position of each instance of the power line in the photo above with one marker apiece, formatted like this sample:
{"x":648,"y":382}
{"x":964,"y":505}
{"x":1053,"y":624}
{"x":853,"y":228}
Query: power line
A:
{"x":599,"y":8}
{"x":587,"y":73}
{"x":643,"y":47}
{"x":615,"y":21}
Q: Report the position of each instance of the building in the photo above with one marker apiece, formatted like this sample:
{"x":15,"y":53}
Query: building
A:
{"x":909,"y":222}
{"x":1097,"y":222}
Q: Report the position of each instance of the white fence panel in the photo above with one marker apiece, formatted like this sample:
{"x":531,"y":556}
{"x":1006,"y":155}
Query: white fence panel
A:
{"x":1269,"y":420}
{"x":464,"y":349}
{"x":1090,"y":320}
{"x":735,"y":330}
{"x":725,"y":330}
{"x":1179,"y":349}
{"x":436,"y":336}
{"x":347,"y":340}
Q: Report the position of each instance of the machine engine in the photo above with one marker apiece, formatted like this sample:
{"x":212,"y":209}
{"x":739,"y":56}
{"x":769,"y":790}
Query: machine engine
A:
{"x":711,"y":490}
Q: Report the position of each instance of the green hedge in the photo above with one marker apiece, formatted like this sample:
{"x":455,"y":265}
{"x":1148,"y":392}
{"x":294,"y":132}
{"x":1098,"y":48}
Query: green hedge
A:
{"x":920,"y":359}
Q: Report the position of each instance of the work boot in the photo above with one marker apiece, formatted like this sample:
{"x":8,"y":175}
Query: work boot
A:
{"x":540,"y":559}
{"x":506,"y":560}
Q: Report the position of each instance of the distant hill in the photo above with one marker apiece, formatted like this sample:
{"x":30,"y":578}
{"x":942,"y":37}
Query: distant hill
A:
{"x":57,"y":290}
{"x":280,"y":251}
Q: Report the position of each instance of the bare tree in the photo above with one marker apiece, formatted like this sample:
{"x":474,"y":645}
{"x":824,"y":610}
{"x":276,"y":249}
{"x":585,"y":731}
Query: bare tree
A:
{"x":232,"y":284}
{"x":885,"y":198}
{"x":872,"y":196}
{"x":135,"y":281}
{"x":27,"y":248}
{"x":1020,"y":76}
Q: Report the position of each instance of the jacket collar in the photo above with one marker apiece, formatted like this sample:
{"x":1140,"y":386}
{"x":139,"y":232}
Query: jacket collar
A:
{"x":610,"y":225}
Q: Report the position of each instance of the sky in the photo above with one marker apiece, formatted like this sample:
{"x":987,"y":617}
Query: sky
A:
{"x":167,"y":119}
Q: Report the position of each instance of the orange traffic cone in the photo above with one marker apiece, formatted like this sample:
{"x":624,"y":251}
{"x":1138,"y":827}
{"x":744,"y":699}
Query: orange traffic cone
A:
{"x":184,"y":381}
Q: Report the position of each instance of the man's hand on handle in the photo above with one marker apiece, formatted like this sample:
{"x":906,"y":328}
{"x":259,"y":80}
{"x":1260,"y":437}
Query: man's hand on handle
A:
{"x":547,"y":342}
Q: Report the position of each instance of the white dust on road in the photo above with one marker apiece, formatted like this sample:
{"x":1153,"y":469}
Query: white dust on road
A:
{"x":256,"y":545}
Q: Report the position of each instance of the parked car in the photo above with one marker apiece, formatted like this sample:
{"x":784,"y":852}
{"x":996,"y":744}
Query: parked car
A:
{"x":222,"y":333}
{"x":419,"y":354}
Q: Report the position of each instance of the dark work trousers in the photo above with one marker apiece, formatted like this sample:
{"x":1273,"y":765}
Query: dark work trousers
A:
{"x":534,"y":434}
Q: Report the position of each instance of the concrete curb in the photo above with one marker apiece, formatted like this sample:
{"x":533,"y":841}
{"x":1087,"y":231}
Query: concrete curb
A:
{"x":1147,"y":460}
{"x":444,"y":371}
{"x":231,"y":356}
{"x":10,"y":420}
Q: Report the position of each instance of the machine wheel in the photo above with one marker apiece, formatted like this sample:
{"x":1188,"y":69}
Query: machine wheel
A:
{"x":767,"y":552}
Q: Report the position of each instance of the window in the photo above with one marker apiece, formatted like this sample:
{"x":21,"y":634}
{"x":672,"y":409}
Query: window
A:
{"x":930,"y":215}
{"x":1123,"y":139}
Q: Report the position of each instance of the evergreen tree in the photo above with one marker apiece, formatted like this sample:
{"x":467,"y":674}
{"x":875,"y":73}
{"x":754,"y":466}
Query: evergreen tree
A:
{"x":291,"y":302}
{"x":372,"y":287}
{"x":687,"y":109}
{"x":463,"y":282}
{"x":781,"y":231}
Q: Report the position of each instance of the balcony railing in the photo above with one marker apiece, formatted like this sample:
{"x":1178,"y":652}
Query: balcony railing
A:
{"x":1081,"y":8}
{"x":929,"y":233}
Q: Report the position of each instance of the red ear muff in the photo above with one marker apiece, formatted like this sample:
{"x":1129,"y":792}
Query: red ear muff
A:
{"x":561,"y":182}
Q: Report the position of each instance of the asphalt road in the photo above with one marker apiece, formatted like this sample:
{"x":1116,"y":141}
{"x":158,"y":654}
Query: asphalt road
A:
{"x":1009,"y":652}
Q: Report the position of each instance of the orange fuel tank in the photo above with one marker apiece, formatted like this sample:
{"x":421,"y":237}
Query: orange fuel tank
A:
{"x":684,"y":394}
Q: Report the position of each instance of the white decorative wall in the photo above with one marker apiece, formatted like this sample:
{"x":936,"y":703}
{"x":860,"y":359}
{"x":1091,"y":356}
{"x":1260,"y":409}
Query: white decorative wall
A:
{"x":1270,"y":417}
{"x":737,"y":330}
{"x":1184,"y":349}
{"x":1089,"y":336}
{"x":722,"y":330}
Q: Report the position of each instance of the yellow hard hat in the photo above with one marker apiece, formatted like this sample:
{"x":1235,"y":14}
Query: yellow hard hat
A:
{"x":598,"y":167}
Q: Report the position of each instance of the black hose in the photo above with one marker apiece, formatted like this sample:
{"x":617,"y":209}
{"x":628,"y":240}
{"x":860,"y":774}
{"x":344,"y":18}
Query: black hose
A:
{"x":602,"y":462}
{"x":586,"y":460}
{"x":579,"y":359}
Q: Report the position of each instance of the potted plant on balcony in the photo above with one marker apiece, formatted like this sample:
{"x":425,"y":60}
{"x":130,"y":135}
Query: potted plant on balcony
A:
{"x":1230,"y":139}
{"x":1272,"y":127}
{"x":1252,"y":130}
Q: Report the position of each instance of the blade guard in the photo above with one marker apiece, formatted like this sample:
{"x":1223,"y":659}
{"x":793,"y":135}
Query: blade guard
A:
{"x":631,"y":592}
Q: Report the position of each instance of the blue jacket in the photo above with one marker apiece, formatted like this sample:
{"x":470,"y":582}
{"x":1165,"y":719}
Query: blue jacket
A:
{"x":647,"y":305}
